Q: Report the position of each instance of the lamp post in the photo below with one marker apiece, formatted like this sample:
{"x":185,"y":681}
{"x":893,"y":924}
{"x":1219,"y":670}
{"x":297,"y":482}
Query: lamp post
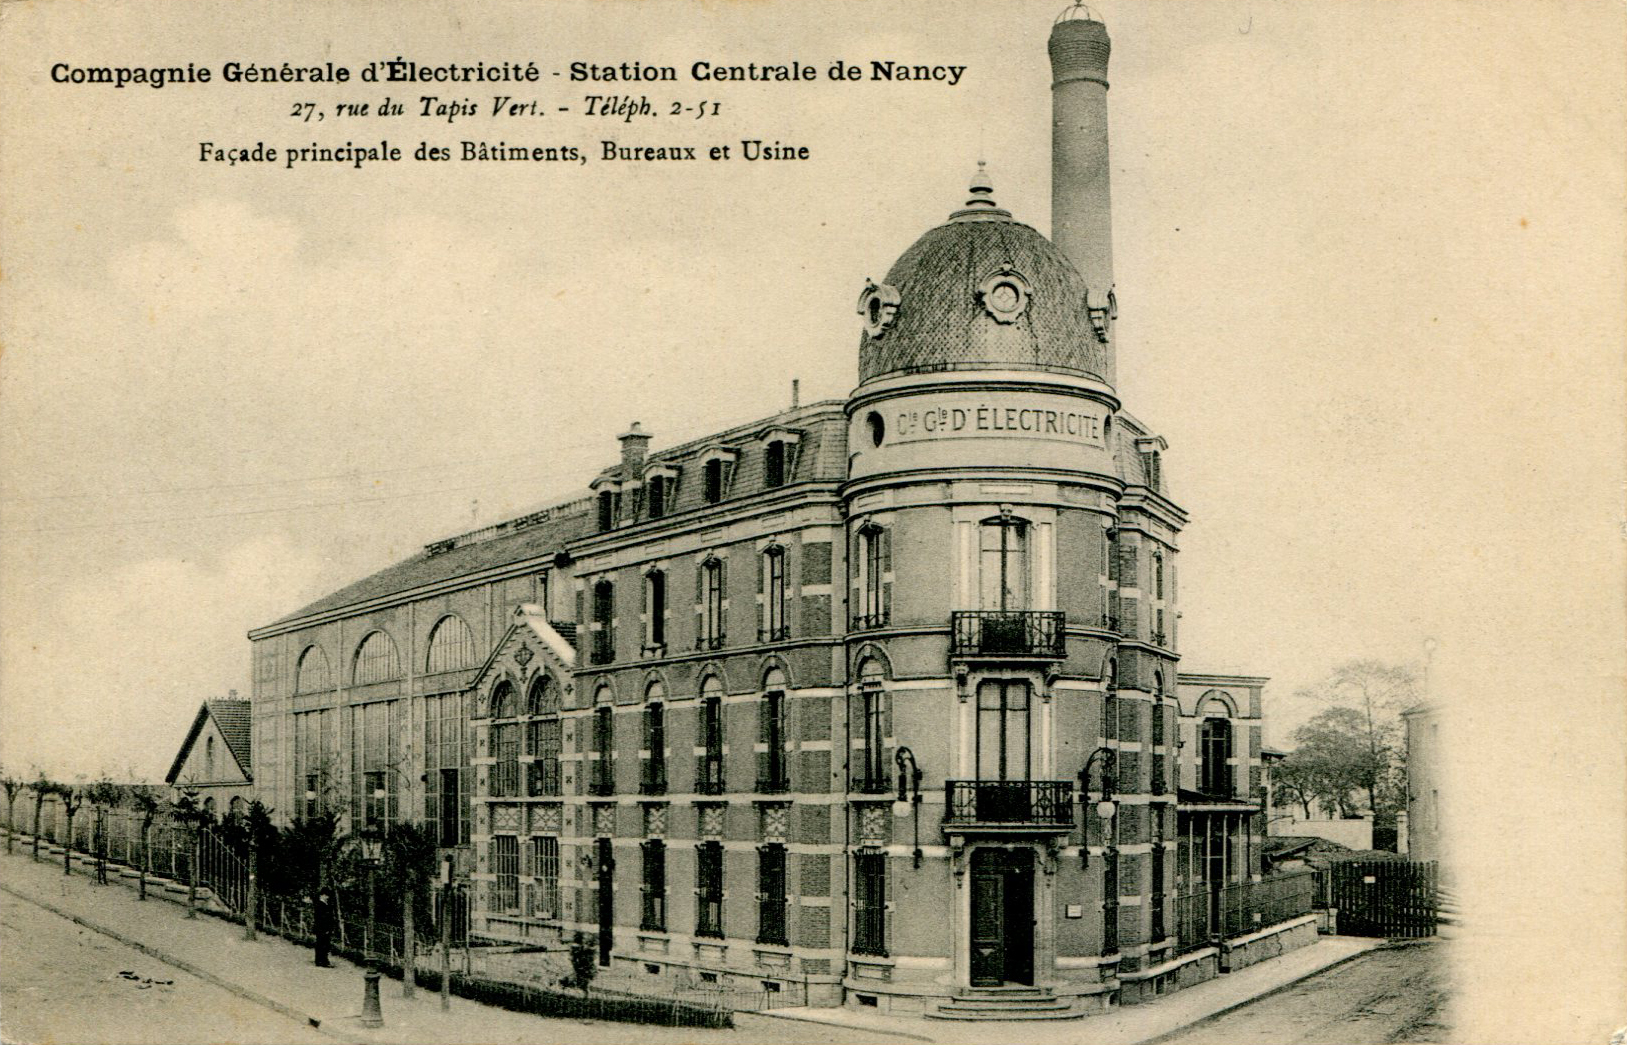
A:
{"x":1105,"y":808}
{"x":909,"y":790}
{"x":372,"y":855}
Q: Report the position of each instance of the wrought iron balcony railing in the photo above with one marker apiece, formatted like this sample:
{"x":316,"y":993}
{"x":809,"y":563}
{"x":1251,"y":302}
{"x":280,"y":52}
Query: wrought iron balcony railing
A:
{"x":1014,"y":803}
{"x":1018,"y":633}
{"x":866,"y":621}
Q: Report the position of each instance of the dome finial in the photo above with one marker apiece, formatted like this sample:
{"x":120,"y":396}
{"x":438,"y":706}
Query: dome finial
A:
{"x":980,"y":197}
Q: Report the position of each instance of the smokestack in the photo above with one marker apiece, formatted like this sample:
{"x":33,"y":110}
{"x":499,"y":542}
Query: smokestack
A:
{"x":1081,"y":205}
{"x":635,"y":442}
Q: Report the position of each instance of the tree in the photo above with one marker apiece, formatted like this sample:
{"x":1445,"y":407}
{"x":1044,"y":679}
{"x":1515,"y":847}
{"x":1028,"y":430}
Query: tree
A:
{"x":1376,"y":692}
{"x":189,"y":812}
{"x":584,"y":963}
{"x":103,"y":795}
{"x":409,"y":864}
{"x":147,"y":804}
{"x":73,"y":796}
{"x":13,"y":785}
{"x":43,"y":787}
{"x":1334,"y":760}
{"x":1293,"y":783}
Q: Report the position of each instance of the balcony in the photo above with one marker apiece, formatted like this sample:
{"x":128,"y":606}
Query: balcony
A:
{"x":1009,"y":805}
{"x":1008,"y":633}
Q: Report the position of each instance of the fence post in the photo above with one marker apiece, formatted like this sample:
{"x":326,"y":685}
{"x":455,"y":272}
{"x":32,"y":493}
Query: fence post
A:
{"x":409,"y":949}
{"x":192,"y":877}
{"x":251,"y":911}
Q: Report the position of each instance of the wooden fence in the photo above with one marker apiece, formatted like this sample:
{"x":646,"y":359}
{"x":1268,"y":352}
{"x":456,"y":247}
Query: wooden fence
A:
{"x":1390,"y":898}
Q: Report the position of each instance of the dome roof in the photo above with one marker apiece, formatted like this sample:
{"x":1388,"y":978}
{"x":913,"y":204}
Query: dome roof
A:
{"x":982,"y":291}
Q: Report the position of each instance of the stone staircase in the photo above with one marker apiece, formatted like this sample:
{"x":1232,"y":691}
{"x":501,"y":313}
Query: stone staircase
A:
{"x":1005,"y":1003}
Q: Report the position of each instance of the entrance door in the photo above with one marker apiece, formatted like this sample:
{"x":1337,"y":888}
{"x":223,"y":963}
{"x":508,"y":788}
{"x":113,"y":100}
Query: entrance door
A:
{"x":607,"y":902}
{"x":1002,"y":943}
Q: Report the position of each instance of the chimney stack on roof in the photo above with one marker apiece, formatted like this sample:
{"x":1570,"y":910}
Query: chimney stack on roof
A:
{"x":635,"y":443}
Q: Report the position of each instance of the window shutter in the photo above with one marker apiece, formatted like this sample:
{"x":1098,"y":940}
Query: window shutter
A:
{"x":723,"y":598}
{"x":700,"y":604}
{"x":762,"y":603}
{"x":885,"y":566}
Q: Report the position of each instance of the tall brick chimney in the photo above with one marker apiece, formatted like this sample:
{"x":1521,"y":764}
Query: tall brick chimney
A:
{"x":634,"y":443}
{"x":1081,"y":204}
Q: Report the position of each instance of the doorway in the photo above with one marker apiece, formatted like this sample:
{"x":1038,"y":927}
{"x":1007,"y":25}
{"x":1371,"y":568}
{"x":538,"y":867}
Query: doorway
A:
{"x":607,"y":903}
{"x":1002,"y":921}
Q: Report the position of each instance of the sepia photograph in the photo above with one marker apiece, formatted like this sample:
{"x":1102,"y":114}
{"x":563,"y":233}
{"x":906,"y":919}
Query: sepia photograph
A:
{"x":797,"y":521}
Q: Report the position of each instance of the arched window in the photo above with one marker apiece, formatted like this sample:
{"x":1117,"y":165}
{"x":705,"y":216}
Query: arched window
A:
{"x":1003,"y":564}
{"x":773,"y":763}
{"x":873,"y":560}
{"x":505,"y":741}
{"x":209,"y":806}
{"x":709,"y":772}
{"x":653,"y":772}
{"x":376,"y":660}
{"x":209,"y":758}
{"x":603,"y":781}
{"x":451,"y":645}
{"x":543,"y":737}
{"x":873,"y":775}
{"x":236,"y":808}
{"x":1216,"y":741}
{"x":313,"y":675}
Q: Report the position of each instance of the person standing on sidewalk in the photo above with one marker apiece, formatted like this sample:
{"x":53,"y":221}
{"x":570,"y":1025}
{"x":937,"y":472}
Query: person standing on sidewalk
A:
{"x":324,"y":927}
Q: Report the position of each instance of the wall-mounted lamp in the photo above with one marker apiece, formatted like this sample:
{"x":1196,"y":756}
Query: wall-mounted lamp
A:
{"x":909,"y":790}
{"x":1106,"y":808}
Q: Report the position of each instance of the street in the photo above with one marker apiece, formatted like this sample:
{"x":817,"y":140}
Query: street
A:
{"x":1388,"y":995}
{"x":66,"y":983}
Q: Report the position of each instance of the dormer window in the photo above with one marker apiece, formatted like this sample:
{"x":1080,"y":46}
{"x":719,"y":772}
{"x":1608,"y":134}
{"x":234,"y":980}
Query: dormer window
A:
{"x":779,"y":456}
{"x":609,"y":503}
{"x":878,"y":304}
{"x":717,"y":468}
{"x":660,"y":485}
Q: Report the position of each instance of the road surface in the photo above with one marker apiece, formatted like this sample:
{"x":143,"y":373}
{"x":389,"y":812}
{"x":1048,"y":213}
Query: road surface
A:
{"x":64,"y":983}
{"x":1389,"y":995}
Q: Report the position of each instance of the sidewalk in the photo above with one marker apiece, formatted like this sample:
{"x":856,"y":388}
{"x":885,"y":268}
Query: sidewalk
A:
{"x":279,"y":975}
{"x":1124,"y":1026}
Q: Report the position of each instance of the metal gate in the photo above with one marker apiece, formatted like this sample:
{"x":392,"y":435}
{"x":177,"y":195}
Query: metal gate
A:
{"x":1392,"y":898}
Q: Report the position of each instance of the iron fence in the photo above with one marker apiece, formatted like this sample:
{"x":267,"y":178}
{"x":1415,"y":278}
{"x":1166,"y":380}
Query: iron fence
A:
{"x":1024,"y":633}
{"x":1011,"y":802}
{"x":1207,"y":914}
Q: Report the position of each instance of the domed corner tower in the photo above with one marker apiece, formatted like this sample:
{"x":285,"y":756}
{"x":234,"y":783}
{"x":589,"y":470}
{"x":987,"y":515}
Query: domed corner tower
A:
{"x":1010,"y":595}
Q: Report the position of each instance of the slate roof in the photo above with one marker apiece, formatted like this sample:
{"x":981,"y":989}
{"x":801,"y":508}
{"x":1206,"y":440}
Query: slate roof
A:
{"x":821,"y":455}
{"x":941,"y":324}
{"x":234,"y":720}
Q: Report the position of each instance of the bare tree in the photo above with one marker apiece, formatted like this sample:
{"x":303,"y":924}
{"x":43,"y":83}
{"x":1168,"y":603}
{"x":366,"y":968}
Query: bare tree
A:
{"x":147,"y":804}
{"x":103,"y":795}
{"x":43,"y":787}
{"x":13,"y":785}
{"x":73,"y":796}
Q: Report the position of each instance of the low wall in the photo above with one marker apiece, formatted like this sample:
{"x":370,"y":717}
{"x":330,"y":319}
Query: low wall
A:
{"x":1206,"y":963}
{"x":1352,"y":834}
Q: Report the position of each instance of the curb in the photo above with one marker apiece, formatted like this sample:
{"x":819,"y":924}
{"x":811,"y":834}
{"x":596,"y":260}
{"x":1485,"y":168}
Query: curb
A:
{"x":182,"y":964}
{"x":1278,"y":989}
{"x":771,"y":1014}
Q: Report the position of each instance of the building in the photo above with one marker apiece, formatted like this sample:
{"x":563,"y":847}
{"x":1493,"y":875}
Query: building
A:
{"x":215,"y":759}
{"x":876,"y":696}
{"x":1424,"y":827}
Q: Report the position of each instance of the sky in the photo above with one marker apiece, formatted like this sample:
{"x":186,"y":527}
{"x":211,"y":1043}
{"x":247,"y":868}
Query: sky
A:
{"x":1368,"y":258}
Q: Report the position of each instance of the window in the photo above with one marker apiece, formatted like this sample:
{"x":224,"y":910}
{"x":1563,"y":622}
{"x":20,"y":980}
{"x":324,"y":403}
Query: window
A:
{"x":1158,"y":635}
{"x":505,"y":742}
{"x":1002,"y":730}
{"x":771,"y":895}
{"x":209,"y":758}
{"x":653,"y":779}
{"x":1216,"y":741}
{"x":709,"y":889}
{"x":545,"y":861}
{"x":654,"y":915}
{"x":376,"y":660}
{"x":873,"y":775}
{"x":542,"y":737}
{"x":609,"y":509}
{"x":604,"y":782}
{"x":870,"y":904}
{"x":1110,"y":900}
{"x":774,"y":461}
{"x":772,"y":771}
{"x":655,"y":612}
{"x":1110,"y":583}
{"x":874,"y":563}
{"x":709,"y":775}
{"x":451,"y":646}
{"x":1003,"y":564}
{"x":1157,"y":826}
{"x":774,"y":626}
{"x":312,"y":674}
{"x":505,"y":864}
{"x":446,"y":768}
{"x":710,"y":585}
{"x":375,"y":762}
{"x":658,"y":496}
{"x":714,"y":478}
{"x":604,"y":622}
